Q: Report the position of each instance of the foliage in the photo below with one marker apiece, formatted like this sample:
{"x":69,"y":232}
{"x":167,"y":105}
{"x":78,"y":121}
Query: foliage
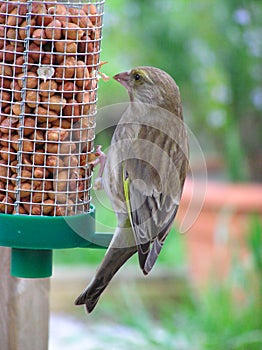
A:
{"x":255,"y":244}
{"x":214,"y":51}
{"x":224,"y":316}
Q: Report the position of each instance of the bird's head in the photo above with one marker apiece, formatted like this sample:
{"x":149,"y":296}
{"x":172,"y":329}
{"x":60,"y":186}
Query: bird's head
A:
{"x":150,"y":85}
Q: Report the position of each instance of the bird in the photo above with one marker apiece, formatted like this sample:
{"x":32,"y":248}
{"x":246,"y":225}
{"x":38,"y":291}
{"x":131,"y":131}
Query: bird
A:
{"x":143,"y":175}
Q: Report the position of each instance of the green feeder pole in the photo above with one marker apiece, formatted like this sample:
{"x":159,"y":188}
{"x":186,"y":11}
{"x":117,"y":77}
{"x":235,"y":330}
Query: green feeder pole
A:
{"x":30,"y":263}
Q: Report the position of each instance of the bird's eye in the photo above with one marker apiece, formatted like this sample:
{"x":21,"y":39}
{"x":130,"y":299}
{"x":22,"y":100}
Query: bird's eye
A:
{"x":137,"y":76}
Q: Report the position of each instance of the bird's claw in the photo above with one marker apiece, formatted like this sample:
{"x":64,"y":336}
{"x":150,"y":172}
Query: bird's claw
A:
{"x":100,"y":159}
{"x":98,"y":184}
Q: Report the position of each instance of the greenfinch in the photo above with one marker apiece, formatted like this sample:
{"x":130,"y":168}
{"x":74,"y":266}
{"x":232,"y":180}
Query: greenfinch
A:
{"x":144,"y":174}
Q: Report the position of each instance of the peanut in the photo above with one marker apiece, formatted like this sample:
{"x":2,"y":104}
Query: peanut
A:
{"x":56,"y":134}
{"x":6,"y":70}
{"x":13,"y":167}
{"x":38,"y":158}
{"x":48,"y":207}
{"x":14,"y":179}
{"x":66,"y":46}
{"x":83,"y":99}
{"x":7,"y":124}
{"x":53,"y":30}
{"x":67,"y":148}
{"x":79,"y":17}
{"x":6,"y":204}
{"x":34,"y":52}
{"x":37,"y":136}
{"x":66,"y":70}
{"x":39,"y":196}
{"x":26,"y":175}
{"x":48,"y":59}
{"x":7,"y":154}
{"x":61,"y":181}
{"x":23,"y":29}
{"x":60,"y":211}
{"x":13,"y":19}
{"x":69,"y":89}
{"x":72,"y":31}
{"x":34,"y":209}
{"x":27,"y":146}
{"x":70,"y":161}
{"x":82,"y":76}
{"x":10,"y":54}
{"x":54,"y":161}
{"x":30,"y":79}
{"x":15,"y":141}
{"x":3,"y":170}
{"x":41,"y":172}
{"x":65,"y":124}
{"x":16,"y":90}
{"x":57,"y":10}
{"x":52,"y":148}
{"x":48,"y":88}
{"x":5,"y":83}
{"x":17,"y":108}
{"x":5,"y":98}
{"x":38,"y":8}
{"x":2,"y":186}
{"x":25,"y":189}
{"x":32,"y":98}
{"x":39,"y":36}
{"x":11,"y":34}
{"x":55,"y":102}
{"x":21,"y":210}
{"x":44,"y":114}
{"x":43,"y":20}
{"x":72,"y":109}
{"x":4,"y":140}
{"x":29,"y":126}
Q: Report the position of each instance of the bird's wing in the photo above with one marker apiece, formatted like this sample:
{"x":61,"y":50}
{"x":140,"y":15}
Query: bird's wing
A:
{"x":151,"y":223}
{"x":155,"y":178}
{"x":146,"y":168}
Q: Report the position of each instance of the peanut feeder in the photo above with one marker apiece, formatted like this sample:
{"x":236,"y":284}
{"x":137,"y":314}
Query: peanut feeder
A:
{"x":49,"y":61}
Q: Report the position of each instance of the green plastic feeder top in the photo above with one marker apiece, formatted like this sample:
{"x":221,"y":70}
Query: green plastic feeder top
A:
{"x":32,"y":239}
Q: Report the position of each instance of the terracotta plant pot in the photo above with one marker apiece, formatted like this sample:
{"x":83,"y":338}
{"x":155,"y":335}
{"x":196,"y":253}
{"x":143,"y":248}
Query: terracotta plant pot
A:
{"x":219,"y":233}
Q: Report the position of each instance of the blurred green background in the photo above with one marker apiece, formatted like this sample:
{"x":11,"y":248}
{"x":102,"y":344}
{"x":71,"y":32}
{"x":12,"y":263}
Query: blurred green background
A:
{"x":213,"y":49}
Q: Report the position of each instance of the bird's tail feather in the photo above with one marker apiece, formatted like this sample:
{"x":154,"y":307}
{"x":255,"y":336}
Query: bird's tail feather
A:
{"x":91,"y":294}
{"x":152,"y":256}
{"x":113,"y":260}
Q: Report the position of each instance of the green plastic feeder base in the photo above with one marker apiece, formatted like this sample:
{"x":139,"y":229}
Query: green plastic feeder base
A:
{"x":32,"y":239}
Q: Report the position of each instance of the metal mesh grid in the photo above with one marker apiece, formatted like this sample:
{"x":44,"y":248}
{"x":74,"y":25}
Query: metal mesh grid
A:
{"x":49,"y":60}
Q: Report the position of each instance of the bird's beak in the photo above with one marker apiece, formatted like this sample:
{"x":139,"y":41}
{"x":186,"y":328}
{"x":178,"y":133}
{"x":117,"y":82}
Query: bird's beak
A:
{"x":123,"y":78}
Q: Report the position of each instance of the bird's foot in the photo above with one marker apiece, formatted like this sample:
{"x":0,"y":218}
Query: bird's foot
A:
{"x":100,"y":159}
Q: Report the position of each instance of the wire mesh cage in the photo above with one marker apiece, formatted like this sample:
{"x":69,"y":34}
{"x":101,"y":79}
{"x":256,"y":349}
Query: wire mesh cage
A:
{"x":49,"y":62}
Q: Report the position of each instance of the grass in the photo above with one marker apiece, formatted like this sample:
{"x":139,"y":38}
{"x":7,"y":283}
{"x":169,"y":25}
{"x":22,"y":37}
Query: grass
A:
{"x":225,"y":316}
{"x":217,"y":320}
